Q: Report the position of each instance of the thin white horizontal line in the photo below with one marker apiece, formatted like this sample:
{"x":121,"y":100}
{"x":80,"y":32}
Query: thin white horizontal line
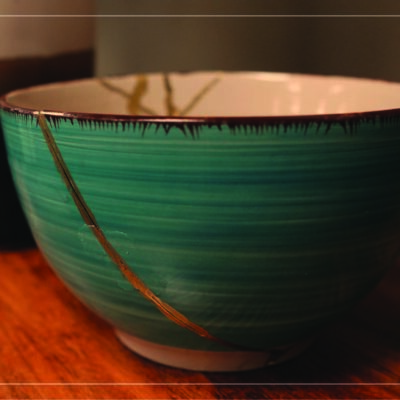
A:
{"x":202,"y":15}
{"x":198,"y":384}
{"x":280,"y":398}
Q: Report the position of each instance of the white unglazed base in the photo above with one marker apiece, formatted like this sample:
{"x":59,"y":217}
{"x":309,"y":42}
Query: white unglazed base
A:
{"x":211,"y":361}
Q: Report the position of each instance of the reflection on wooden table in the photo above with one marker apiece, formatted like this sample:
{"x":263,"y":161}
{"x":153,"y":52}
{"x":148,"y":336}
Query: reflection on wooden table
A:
{"x":52,"y":347}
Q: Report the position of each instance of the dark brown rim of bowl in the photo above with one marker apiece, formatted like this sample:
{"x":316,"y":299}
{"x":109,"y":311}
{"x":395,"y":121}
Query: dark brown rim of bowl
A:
{"x":349,"y":122}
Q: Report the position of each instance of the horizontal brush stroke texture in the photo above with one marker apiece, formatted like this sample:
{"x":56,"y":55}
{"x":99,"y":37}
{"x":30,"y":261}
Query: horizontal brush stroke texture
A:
{"x":261,"y":237}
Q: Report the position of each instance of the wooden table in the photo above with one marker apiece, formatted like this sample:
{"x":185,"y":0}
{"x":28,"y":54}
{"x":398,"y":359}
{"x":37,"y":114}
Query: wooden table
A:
{"x":52,"y":347}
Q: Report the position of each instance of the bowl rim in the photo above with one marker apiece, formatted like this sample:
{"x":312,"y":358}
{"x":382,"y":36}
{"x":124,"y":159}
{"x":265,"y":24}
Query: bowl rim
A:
{"x":256,"y":120}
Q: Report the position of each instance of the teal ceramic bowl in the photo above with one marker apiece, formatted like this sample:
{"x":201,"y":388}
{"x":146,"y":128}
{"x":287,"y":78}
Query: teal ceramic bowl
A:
{"x":218,"y":221}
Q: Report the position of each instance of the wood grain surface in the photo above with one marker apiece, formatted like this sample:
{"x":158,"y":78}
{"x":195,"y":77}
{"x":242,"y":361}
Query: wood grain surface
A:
{"x":52,"y":347}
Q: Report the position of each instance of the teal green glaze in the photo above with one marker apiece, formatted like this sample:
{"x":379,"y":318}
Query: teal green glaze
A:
{"x":261,"y":236}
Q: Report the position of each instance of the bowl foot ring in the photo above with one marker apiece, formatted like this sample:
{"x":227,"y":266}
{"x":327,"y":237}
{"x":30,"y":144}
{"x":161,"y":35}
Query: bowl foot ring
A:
{"x":210,"y":361}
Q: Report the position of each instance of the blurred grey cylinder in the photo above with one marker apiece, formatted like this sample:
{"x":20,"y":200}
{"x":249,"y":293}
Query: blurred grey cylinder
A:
{"x":144,"y":36}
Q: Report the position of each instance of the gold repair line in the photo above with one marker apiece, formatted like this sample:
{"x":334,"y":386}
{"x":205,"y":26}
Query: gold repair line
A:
{"x":127,"y":95}
{"x":90,"y":220}
{"x":169,"y":96}
{"x":199,"y":96}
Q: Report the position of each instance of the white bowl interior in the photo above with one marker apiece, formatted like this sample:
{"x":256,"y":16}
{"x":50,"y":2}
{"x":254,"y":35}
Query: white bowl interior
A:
{"x":232,"y":94}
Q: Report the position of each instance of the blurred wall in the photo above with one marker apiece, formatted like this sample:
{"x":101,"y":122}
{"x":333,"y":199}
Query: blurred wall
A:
{"x":358,"y":46}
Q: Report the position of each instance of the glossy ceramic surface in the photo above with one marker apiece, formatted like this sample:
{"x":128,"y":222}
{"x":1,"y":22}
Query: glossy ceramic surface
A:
{"x":266,"y":211}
